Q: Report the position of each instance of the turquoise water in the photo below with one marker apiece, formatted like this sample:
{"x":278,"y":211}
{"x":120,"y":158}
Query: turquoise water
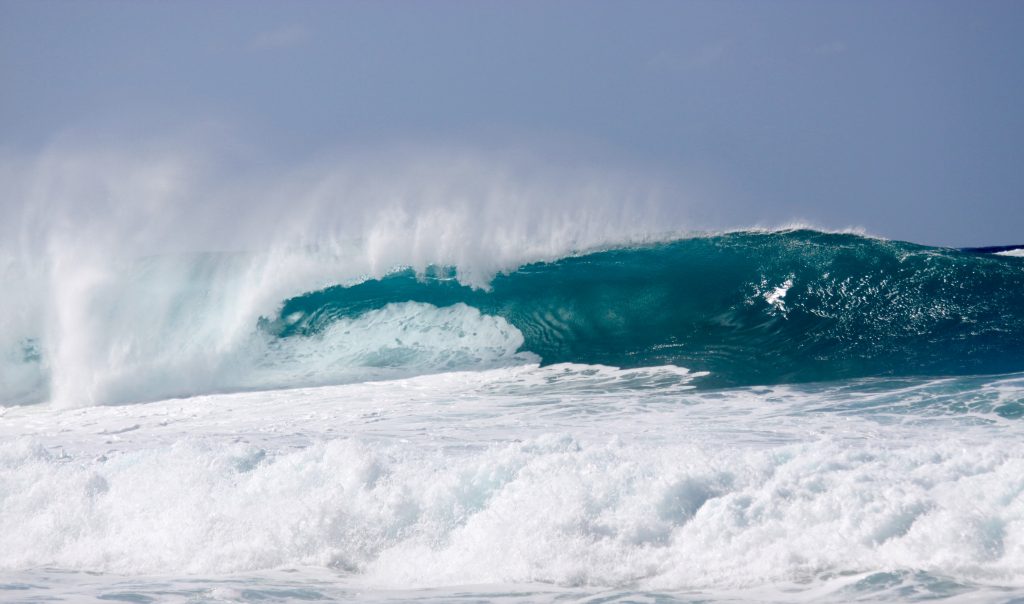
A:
{"x":750,"y":308}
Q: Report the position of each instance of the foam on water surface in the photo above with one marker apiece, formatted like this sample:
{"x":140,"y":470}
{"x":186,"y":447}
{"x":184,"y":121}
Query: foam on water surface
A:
{"x":524,"y":483}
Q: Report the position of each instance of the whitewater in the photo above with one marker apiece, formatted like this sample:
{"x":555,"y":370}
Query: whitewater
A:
{"x":760,"y":415}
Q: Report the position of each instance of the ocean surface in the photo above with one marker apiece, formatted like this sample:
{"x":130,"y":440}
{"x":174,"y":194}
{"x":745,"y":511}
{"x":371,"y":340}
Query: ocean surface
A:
{"x":750,"y":416}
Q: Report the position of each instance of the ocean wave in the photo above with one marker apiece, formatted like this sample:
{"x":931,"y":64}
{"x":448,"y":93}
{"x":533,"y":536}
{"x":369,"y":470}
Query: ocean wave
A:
{"x":747,"y":307}
{"x":738,"y":308}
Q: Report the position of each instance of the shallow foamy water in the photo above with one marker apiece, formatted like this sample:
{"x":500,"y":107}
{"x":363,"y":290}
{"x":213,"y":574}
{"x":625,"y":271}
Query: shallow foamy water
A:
{"x":567,"y":482}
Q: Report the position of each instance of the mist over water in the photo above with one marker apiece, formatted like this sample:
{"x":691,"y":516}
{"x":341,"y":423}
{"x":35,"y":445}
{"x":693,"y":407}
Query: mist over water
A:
{"x":148,"y":260}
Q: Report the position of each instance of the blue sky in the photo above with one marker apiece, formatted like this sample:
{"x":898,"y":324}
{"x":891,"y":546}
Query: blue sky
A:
{"x":904,"y":118}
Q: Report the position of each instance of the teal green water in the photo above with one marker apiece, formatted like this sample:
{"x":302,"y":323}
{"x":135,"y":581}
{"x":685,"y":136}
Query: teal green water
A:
{"x":750,"y":308}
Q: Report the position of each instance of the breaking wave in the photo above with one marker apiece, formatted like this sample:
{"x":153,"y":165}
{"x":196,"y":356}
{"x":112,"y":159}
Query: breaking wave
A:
{"x":744,"y":307}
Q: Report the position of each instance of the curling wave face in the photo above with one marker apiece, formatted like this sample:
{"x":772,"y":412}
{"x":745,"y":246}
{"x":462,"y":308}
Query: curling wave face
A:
{"x":744,"y":308}
{"x":747,"y":307}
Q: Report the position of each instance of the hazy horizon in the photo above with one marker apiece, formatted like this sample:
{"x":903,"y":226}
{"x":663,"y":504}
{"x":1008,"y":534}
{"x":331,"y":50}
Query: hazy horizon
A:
{"x":900,"y":119}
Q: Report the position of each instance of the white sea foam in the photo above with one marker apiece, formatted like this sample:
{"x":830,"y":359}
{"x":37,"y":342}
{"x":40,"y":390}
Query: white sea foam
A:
{"x":480,"y":478}
{"x":550,"y":509}
{"x":777,"y":297}
{"x":1019,"y":253}
{"x":406,"y":338}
